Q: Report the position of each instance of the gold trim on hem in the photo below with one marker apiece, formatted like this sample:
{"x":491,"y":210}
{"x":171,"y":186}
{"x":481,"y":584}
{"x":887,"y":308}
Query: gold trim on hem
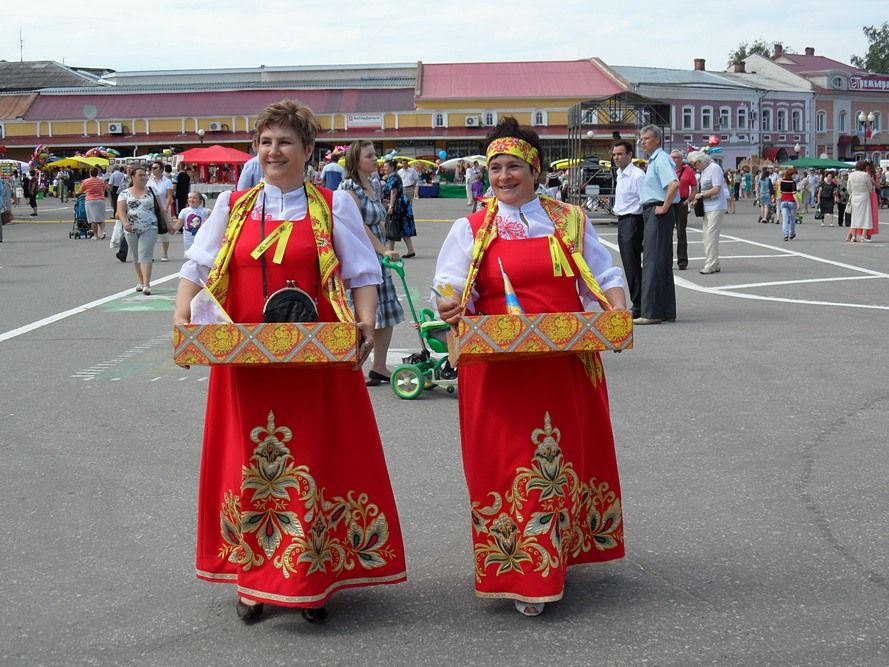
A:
{"x":520,"y":598}
{"x":343,"y":583}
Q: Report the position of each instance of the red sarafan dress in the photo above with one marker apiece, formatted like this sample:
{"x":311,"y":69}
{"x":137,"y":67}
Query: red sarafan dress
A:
{"x":538,"y":448}
{"x":294,"y":501}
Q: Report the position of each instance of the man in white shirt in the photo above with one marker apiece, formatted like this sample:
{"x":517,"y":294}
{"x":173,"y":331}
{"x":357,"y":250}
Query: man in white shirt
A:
{"x":628,"y":208}
{"x":409,"y":178}
{"x":163,"y":188}
{"x":115,"y":183}
{"x":713,"y":195}
{"x":472,"y":175}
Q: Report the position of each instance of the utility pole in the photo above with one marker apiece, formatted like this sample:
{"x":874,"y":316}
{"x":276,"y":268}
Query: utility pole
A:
{"x":21,"y":47}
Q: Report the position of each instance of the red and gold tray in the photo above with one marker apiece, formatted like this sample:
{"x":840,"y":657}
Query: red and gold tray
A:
{"x":491,"y":337}
{"x":309,"y":344}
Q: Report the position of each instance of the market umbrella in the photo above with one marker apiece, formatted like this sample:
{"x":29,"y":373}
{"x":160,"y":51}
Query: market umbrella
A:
{"x":817,"y":163}
{"x":411,"y":160}
{"x":565,"y":163}
{"x":66,"y":162}
{"x":215,"y":154}
{"x":468,"y":160}
{"x":91,"y":161}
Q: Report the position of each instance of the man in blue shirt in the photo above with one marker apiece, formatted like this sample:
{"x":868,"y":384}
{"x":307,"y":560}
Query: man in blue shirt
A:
{"x":251,"y":174}
{"x":660,"y":190}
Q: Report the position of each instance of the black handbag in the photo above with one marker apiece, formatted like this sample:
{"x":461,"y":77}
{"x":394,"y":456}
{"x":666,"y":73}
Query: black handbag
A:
{"x":818,"y":214}
{"x":699,"y":208}
{"x":290,"y":304}
{"x":159,"y":214}
{"x":393,"y":228}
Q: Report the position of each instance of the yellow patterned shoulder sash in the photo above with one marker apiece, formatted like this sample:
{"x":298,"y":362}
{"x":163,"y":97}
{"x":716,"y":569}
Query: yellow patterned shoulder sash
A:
{"x":322,"y":230}
{"x":569,"y":222}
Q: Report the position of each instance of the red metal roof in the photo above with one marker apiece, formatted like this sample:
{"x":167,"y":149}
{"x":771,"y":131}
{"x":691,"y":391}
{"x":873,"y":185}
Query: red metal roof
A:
{"x":801,"y":63}
{"x":120,"y":106}
{"x":558,"y":79}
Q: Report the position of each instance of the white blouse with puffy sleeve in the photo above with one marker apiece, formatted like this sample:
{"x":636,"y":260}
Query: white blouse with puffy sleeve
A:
{"x":359,"y":265}
{"x":528,"y":221}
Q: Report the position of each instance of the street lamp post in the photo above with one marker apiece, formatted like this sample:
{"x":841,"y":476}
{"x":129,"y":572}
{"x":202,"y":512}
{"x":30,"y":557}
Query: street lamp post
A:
{"x":868,"y":122}
{"x":796,"y":149}
{"x":201,"y":134}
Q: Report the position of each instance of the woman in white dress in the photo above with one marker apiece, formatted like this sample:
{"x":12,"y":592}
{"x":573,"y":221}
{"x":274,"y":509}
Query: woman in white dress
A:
{"x":860,"y":186}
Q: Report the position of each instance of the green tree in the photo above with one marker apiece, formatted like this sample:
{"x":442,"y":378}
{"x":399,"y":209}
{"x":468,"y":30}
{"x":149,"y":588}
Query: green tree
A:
{"x":759,"y":47}
{"x":877,"y":57}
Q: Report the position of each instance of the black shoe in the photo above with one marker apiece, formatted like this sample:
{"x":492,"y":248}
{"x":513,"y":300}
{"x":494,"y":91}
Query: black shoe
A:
{"x":683,"y":268}
{"x":375,"y":379}
{"x":122,"y":258}
{"x":315,"y":615}
{"x":249,"y":613}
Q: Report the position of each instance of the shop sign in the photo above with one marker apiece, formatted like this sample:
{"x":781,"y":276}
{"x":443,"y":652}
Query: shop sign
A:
{"x":364,"y":120}
{"x":871,"y":82}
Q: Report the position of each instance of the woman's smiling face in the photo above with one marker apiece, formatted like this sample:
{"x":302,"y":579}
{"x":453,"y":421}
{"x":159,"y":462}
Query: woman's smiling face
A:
{"x":513,"y":180}
{"x":282,"y":157}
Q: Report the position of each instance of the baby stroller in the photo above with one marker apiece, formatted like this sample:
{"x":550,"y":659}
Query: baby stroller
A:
{"x":421,"y":370}
{"x":81,"y":228}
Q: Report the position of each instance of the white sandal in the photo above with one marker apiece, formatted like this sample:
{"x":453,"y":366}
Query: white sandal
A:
{"x":529,"y":608}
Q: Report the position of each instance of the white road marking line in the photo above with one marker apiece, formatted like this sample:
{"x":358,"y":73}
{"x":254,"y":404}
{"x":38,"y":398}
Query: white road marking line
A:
{"x":719,"y":291}
{"x":798,"y":282}
{"x":12,"y":333}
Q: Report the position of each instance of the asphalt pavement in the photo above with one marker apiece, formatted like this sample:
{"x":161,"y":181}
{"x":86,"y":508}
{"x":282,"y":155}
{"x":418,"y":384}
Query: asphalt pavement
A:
{"x":751,"y":437}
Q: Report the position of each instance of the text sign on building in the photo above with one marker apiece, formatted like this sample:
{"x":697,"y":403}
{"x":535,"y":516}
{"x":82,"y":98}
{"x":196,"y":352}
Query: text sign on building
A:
{"x":364,"y":120}
{"x":870,"y":82}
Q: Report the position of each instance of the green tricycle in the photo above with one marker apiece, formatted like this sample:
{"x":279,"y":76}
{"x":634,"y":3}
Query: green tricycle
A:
{"x":429,"y":367}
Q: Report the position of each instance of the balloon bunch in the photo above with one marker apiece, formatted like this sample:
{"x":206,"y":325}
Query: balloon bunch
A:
{"x":39,"y":157}
{"x":101,"y":151}
{"x":336,"y":153}
{"x":711,"y":148}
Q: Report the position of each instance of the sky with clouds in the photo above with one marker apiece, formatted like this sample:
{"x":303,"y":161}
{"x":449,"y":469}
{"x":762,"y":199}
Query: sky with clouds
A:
{"x":203,"y":34}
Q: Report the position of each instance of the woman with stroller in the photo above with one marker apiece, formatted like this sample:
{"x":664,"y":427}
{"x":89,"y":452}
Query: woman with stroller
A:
{"x":138,"y":209}
{"x":538,"y":448}
{"x":361,"y":163}
{"x":93,"y":189}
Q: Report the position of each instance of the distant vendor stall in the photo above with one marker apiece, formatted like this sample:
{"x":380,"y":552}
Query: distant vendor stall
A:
{"x":217,"y":167}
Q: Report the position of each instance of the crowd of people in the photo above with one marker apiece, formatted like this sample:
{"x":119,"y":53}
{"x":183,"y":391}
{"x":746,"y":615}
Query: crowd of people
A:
{"x":846,"y":198}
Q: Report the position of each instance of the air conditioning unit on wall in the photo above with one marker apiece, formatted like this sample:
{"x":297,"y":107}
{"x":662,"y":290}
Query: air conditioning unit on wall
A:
{"x":215,"y":127}
{"x":473,"y":121}
{"x":115,"y":128}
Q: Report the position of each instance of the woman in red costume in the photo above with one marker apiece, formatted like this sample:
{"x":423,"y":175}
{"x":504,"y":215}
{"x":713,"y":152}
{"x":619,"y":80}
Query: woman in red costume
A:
{"x":294,"y":501}
{"x":538,"y":449}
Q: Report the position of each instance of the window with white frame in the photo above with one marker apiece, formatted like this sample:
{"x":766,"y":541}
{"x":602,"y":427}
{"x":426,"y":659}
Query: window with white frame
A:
{"x":782,"y":120}
{"x":876,"y":124}
{"x":539,"y":118}
{"x":766,"y":119}
{"x":706,"y":118}
{"x":796,"y":120}
{"x":821,"y":121}
{"x":688,"y":118}
{"x":490,"y":118}
{"x":439,"y":120}
{"x":742,"y":118}
{"x":725,"y":118}
{"x":841,"y":122}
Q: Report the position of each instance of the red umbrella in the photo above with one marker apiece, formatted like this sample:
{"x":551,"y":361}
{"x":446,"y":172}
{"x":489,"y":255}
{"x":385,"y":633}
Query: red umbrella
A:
{"x":215,"y":154}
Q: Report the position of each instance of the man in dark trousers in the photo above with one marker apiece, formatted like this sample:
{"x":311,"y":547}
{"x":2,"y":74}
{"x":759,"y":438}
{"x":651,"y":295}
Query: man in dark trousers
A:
{"x":660,"y":190}
{"x":688,"y":185}
{"x":628,"y":208}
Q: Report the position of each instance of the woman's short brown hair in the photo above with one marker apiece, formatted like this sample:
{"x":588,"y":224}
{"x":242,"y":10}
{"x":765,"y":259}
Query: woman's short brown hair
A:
{"x":289,"y":113}
{"x":353,"y":156}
